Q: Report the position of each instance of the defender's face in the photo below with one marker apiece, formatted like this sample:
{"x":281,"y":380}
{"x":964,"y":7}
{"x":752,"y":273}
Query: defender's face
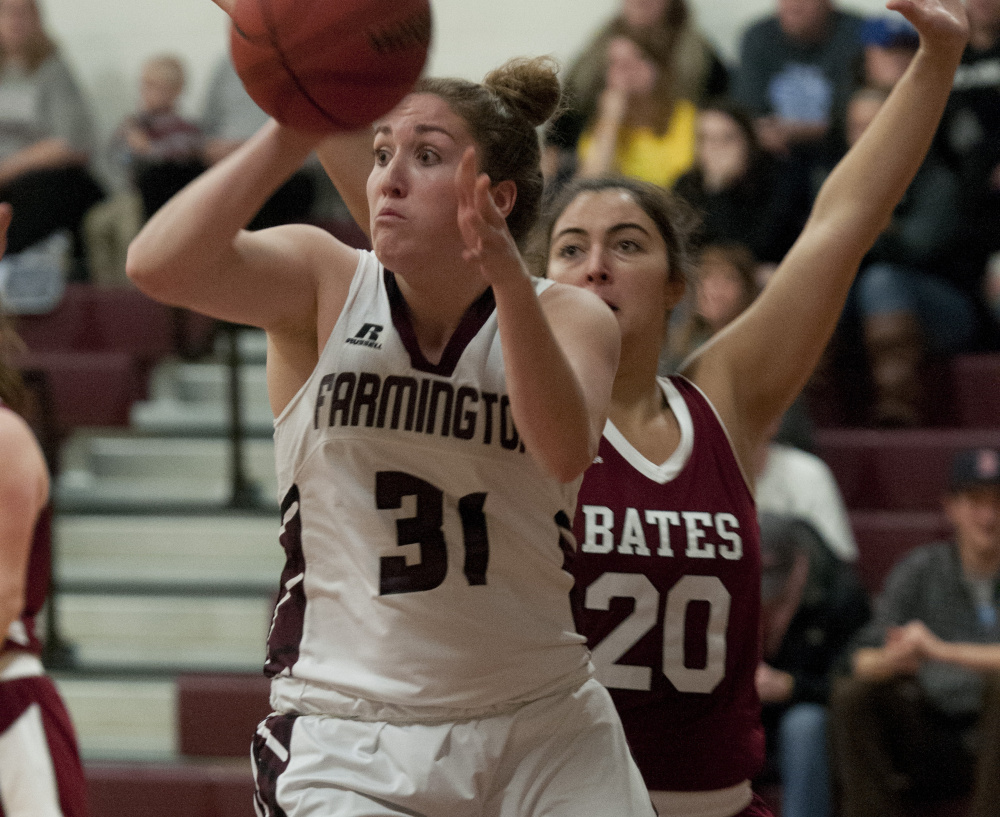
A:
{"x":605,"y":242}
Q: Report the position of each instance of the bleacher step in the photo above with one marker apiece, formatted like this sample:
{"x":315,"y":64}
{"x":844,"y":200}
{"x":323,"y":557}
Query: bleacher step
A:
{"x":122,"y":718}
{"x":236,"y":549}
{"x":166,"y":631}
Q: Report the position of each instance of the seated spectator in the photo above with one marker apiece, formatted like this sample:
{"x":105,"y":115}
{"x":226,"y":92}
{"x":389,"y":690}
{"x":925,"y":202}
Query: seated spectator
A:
{"x":918,"y":718}
{"x":45,"y":135}
{"x":724,"y":285}
{"x":743,"y":194}
{"x":889,"y":45}
{"x":796,"y":71}
{"x":910,"y":299}
{"x":160,"y":152}
{"x":812,"y":604}
{"x":230,"y":118}
{"x":639,"y":128}
{"x":688,"y":65}
{"x":790,"y":481}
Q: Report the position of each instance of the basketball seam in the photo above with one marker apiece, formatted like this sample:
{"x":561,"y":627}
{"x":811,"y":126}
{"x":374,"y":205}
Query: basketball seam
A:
{"x":270,"y":24}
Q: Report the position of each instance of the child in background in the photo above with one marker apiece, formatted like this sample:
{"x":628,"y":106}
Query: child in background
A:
{"x":160,"y":152}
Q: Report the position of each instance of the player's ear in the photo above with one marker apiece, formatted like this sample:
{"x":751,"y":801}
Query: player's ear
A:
{"x":504,"y":195}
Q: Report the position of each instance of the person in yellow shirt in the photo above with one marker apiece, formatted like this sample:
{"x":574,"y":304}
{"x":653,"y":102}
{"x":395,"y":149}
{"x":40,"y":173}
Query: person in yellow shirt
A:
{"x":641,"y":129}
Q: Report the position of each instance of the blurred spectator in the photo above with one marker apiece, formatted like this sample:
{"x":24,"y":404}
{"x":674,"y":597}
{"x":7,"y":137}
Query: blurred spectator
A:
{"x":918,"y":718}
{"x":45,"y":134}
{"x":812,"y":604}
{"x":688,"y":68}
{"x":889,"y":45}
{"x":639,"y":128}
{"x":230,"y":118}
{"x":969,"y":138}
{"x":910,"y":298}
{"x":795,"y":74}
{"x":742,"y":193}
{"x":724,"y":285}
{"x":796,"y":483}
{"x":160,"y":152}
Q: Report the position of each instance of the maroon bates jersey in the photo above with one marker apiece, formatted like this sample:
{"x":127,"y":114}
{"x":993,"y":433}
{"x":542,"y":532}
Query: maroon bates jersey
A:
{"x":668,"y":595}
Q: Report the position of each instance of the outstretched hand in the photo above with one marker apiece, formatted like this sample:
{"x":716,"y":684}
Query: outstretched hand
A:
{"x":488,"y":242}
{"x":6,"y":214}
{"x":940,"y":23}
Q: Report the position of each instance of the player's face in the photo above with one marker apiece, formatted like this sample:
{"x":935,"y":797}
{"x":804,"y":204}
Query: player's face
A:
{"x":605,"y":242}
{"x":411,"y":189}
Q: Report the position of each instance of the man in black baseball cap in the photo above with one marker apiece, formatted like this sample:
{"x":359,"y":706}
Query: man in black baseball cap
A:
{"x":919,"y":717}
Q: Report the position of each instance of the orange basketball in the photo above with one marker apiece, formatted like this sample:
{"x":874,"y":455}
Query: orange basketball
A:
{"x":329,"y":65}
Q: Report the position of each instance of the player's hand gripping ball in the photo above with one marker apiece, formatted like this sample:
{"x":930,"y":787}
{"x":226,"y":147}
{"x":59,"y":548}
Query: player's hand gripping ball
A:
{"x":329,"y":65}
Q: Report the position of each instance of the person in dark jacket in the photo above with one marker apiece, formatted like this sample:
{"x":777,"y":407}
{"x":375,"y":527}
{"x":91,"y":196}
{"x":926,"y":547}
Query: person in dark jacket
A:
{"x":812,"y":604}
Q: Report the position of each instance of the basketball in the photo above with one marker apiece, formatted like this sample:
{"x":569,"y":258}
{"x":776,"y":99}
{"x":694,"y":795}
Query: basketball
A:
{"x":329,"y":65}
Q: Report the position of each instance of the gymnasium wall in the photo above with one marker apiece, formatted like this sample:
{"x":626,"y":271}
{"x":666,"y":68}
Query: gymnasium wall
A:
{"x":107,"y":40}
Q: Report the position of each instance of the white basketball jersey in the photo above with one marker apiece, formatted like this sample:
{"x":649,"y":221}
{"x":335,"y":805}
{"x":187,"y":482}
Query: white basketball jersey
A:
{"x":425,"y":548}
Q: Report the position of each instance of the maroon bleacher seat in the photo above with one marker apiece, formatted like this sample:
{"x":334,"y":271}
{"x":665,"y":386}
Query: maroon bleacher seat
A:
{"x":89,"y":388}
{"x":884,"y":537}
{"x":170,"y":789}
{"x":69,"y":326}
{"x":904,"y":470}
{"x":126,"y":320}
{"x":97,"y":348}
{"x":218,"y":713}
{"x":93,"y":319}
{"x":976,"y":384}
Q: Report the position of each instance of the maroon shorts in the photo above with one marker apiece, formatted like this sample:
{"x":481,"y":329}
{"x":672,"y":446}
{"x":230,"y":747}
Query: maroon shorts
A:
{"x":46,"y":728}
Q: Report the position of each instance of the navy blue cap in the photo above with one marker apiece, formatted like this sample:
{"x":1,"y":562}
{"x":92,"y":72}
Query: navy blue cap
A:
{"x":889,"y":32}
{"x":974,"y":466}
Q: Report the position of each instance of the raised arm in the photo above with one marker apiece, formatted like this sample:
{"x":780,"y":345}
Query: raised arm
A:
{"x":291,"y":280}
{"x":755,"y":367}
{"x":195,"y":253}
{"x":347,"y":159}
{"x":560,"y":349}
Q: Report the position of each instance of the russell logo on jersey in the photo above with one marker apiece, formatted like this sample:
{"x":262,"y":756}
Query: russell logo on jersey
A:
{"x":368,"y":336}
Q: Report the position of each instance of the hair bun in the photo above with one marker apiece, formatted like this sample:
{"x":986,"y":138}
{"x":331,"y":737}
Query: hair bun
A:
{"x":529,"y":86}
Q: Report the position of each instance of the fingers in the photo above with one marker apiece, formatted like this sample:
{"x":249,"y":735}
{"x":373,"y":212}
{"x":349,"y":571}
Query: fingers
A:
{"x":6,"y":214}
{"x":228,"y":6}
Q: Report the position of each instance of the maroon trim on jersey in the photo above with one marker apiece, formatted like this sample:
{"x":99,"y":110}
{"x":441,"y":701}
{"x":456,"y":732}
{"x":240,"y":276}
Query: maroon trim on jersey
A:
{"x":472,"y":321}
{"x":273,"y":734}
{"x":15,"y":697}
{"x":288,"y":618}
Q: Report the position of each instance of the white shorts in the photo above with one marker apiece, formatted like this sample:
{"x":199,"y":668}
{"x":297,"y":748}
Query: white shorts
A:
{"x":561,"y":756}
